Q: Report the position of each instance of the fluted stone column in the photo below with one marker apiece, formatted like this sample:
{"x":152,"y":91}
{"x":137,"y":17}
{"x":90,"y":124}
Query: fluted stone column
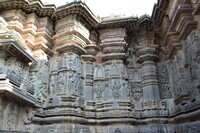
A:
{"x":147,"y":56}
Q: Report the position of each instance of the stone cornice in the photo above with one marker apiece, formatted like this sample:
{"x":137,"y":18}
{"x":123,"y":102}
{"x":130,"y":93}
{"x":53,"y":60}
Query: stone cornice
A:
{"x":13,"y":48}
{"x":159,"y":11}
{"x":71,"y":48}
{"x":130,"y":22}
{"x":29,"y":6}
{"x":75,"y":7}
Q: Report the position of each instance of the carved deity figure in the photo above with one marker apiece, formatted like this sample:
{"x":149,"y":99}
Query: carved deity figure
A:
{"x":115,"y":87}
{"x":61,"y":82}
{"x":77,"y":65}
{"x":52,"y":85}
{"x":74,"y":83}
{"x":80,"y":86}
{"x":70,"y":60}
{"x":99,"y":88}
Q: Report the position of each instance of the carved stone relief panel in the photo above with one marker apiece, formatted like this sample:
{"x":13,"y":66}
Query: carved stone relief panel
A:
{"x":191,"y":49}
{"x":180,"y":79}
{"x":99,"y":72}
{"x":176,"y":80}
{"x":99,"y":88}
{"x":42,"y":79}
{"x":70,"y":76}
{"x":114,"y":70}
{"x":10,"y":116}
{"x":25,"y":117}
{"x":115,"y":86}
{"x":74,"y":82}
{"x":53,"y":85}
{"x":163,"y":80}
{"x":62,"y":82}
{"x":136,"y":85}
{"x":13,"y":64}
{"x":136,"y":91}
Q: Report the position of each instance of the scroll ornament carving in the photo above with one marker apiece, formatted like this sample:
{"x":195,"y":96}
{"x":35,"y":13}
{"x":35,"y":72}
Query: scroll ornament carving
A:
{"x":163,"y":78}
{"x":136,"y":85}
{"x":191,"y":61}
{"x":115,"y":87}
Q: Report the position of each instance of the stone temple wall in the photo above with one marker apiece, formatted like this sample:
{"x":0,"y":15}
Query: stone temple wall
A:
{"x":64,"y":70}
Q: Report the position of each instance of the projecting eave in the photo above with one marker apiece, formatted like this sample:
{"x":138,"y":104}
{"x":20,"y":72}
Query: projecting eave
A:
{"x":159,"y":11}
{"x":13,"y":48}
{"x":130,"y":22}
{"x":29,"y":6}
{"x":79,"y":8}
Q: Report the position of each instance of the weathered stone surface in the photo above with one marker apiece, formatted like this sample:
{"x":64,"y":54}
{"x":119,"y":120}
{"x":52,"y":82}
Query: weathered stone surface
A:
{"x":64,"y":70}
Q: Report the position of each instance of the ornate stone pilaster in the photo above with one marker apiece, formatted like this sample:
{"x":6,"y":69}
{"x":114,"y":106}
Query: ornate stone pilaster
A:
{"x":147,"y":56}
{"x":89,"y":59}
{"x":116,"y":91}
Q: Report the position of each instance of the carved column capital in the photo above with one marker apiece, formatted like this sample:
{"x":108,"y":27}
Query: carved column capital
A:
{"x":147,"y":53}
{"x":74,"y":48}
